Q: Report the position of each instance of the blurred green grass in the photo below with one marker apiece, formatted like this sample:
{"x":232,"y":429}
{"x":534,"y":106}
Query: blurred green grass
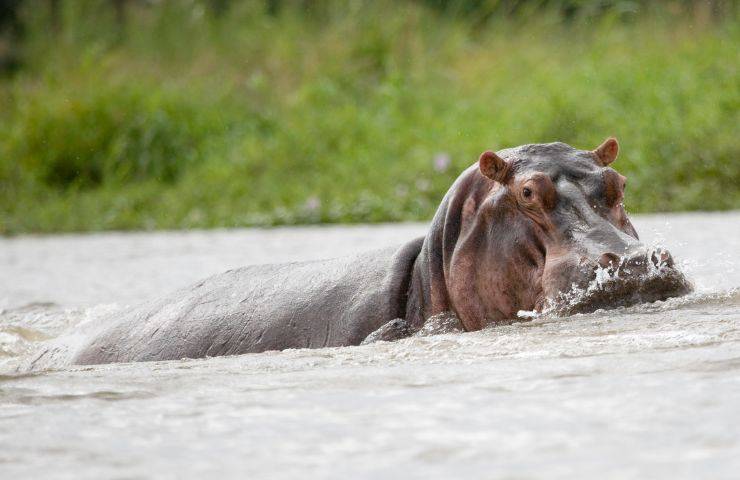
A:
{"x":365,"y":112}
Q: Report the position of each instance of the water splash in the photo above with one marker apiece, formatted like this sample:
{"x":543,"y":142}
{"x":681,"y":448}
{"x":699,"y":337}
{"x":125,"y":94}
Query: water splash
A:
{"x":26,"y":330}
{"x":619,"y":287}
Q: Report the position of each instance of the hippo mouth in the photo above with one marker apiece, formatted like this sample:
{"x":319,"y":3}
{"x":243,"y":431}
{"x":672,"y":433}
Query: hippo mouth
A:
{"x":610,"y":290}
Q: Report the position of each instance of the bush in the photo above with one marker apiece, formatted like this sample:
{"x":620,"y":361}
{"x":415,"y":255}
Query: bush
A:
{"x":84,"y":138}
{"x":257,"y":118}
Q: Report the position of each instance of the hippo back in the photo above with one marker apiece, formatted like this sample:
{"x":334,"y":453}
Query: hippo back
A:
{"x":316,"y":304}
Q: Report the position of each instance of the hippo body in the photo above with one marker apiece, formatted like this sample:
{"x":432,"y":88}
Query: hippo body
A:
{"x":325,"y":303}
{"x":539,"y":227}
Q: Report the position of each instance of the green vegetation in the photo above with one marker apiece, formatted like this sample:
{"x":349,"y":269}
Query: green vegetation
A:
{"x":185,"y":118}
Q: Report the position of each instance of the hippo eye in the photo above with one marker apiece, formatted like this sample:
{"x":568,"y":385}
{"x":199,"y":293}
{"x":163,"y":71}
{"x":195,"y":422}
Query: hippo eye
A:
{"x":527,"y":192}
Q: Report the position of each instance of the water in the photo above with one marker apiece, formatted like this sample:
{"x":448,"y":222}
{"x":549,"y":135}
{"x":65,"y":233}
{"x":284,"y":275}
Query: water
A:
{"x":650,"y":391}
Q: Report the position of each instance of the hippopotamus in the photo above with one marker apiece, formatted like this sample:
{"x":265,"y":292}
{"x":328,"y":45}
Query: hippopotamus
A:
{"x":535,"y":228}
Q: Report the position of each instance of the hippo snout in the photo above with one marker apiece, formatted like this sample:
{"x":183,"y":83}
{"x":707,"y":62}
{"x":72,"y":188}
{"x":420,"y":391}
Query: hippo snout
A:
{"x":644,"y":275}
{"x":636,"y":263}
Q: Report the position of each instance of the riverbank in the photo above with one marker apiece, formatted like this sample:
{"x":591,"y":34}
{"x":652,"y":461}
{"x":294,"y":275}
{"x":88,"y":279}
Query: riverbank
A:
{"x":366,"y":114}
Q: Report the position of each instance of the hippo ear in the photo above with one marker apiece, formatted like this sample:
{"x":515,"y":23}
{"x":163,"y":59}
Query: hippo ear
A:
{"x":607,"y":152}
{"x":493,"y":166}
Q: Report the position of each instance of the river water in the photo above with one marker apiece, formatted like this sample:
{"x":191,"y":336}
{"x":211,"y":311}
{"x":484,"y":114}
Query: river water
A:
{"x":651,"y":391}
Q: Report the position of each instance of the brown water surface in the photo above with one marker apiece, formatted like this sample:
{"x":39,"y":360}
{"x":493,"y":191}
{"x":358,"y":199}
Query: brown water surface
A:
{"x":651,"y":391}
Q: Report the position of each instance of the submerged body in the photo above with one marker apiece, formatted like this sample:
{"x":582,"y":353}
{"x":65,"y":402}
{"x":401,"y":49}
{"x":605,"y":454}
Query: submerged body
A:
{"x":316,"y":304}
{"x":536,"y":227}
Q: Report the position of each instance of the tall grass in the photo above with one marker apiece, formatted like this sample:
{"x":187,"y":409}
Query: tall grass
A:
{"x":366,"y":111}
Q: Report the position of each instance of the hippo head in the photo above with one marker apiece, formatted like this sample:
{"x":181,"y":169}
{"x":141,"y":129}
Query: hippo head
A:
{"x":539,"y":227}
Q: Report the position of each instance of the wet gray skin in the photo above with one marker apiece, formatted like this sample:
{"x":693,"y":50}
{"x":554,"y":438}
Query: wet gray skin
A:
{"x":607,"y":264}
{"x":540,"y":228}
{"x":537,"y":227}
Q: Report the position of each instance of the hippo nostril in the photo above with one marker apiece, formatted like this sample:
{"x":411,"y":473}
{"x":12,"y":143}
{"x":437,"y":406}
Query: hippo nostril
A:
{"x":661,"y":258}
{"x":609,"y":260}
{"x":635,"y":265}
